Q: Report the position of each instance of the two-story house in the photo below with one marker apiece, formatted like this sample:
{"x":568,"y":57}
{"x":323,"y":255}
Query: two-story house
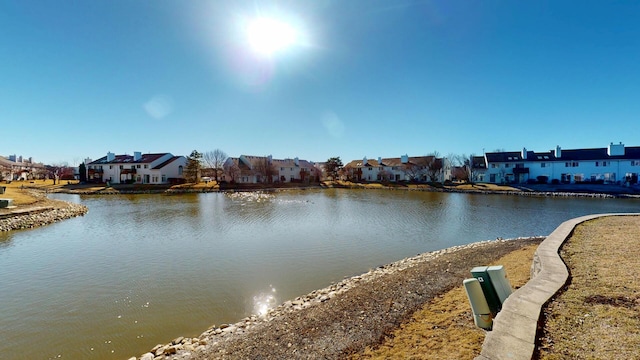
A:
{"x":161,"y":168}
{"x":613,"y":164}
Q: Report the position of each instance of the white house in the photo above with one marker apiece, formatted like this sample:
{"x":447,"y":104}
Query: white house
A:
{"x":613,"y":164}
{"x":403,"y":168}
{"x":19,"y":168}
{"x":140,"y":168}
{"x":250,"y":169}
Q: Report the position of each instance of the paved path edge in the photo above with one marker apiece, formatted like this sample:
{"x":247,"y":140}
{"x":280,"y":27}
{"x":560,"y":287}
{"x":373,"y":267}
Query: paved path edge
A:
{"x":514,"y":329}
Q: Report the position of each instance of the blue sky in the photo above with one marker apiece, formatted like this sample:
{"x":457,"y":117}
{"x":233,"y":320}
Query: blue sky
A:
{"x":361,"y":78}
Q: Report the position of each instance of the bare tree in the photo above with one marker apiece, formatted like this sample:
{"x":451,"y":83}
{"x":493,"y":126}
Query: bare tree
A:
{"x":215,"y":160}
{"x":263,"y":167}
{"x":414,"y":170}
{"x":233,"y":170}
{"x":457,"y":164}
{"x":434,"y":166}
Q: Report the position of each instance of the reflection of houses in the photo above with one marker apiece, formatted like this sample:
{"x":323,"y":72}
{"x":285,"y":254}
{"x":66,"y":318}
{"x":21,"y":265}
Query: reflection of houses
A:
{"x":140,"y":168}
{"x":613,"y":164}
{"x":265,"y":169}
{"x":16,"y":168}
{"x":404,"y":168}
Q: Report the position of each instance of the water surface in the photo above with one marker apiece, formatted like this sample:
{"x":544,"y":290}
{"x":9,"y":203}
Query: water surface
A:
{"x":139,"y":270}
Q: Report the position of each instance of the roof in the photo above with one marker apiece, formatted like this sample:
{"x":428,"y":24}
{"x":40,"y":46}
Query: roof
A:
{"x":120,"y":159}
{"x":167,"y":162}
{"x":632,"y":152}
{"x":413,"y":160}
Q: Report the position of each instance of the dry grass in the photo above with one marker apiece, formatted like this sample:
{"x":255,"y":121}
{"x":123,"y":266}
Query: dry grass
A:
{"x":444,"y":328}
{"x":597,"y":316}
{"x":483,"y":187}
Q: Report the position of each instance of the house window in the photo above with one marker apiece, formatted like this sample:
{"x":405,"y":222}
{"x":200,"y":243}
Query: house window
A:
{"x":180,"y":168}
{"x":493,"y":166}
{"x":543,"y":165}
{"x":164,"y":178}
{"x":598,"y":163}
{"x":604,"y":163}
{"x":370,"y":169}
{"x":281,"y":169}
{"x":635,"y":162}
{"x":121,"y":167}
{"x":507,"y":165}
{"x":146,"y":166}
{"x":138,"y":166}
{"x":110,"y":166}
{"x":574,"y":164}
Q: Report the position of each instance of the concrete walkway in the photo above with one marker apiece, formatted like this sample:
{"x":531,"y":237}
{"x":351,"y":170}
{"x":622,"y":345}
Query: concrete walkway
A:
{"x":514,"y":329}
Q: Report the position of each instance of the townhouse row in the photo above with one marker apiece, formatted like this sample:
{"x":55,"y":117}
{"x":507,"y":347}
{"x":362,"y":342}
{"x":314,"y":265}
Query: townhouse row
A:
{"x":614,"y":164}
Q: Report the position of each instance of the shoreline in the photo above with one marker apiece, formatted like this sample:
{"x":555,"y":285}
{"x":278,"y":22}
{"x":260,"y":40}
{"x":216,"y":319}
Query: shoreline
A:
{"x":344,"y":317}
{"x":610,"y":193}
{"x":43,"y":212}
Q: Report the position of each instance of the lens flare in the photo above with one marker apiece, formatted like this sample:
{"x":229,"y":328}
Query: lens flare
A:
{"x":267,"y":36}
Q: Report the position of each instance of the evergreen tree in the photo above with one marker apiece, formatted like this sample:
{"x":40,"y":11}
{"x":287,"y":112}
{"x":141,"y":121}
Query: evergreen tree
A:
{"x":194,"y":164}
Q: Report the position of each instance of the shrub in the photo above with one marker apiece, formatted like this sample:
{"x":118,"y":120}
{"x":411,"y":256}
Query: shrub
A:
{"x":555,"y":181}
{"x":542,"y":179}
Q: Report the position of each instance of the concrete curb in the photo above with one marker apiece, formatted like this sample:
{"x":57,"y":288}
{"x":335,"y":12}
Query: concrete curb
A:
{"x":514,"y":329}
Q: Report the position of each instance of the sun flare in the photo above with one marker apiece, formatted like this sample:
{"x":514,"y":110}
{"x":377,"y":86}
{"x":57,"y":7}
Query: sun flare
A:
{"x":267,"y":36}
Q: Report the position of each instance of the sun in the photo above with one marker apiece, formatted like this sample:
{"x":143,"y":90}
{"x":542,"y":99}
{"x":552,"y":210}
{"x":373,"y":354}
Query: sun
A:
{"x":267,"y":36}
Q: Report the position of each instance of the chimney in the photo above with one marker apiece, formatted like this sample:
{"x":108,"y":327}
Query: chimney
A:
{"x":558,"y":153}
{"x":364,"y":161}
{"x":524,"y":153}
{"x":296,"y":161}
{"x":110,"y":156}
{"x":137,"y":155}
{"x":404,"y":158}
{"x":615,"y":149}
{"x":379,"y":161}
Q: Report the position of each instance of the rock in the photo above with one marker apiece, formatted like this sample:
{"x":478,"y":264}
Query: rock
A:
{"x":170,"y":350}
{"x":177,"y":340}
{"x":147,"y":356}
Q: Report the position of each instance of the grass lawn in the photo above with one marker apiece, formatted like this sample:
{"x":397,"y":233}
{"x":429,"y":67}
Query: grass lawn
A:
{"x":18,"y":190}
{"x":597,"y":315}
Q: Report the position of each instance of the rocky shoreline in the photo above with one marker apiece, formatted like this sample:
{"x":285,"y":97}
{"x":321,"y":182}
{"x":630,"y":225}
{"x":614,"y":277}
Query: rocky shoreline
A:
{"x":345,"y":317}
{"x":43,"y":212}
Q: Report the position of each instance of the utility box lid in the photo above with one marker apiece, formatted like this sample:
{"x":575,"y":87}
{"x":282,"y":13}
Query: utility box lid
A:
{"x":500,"y":282}
{"x":481,"y":273}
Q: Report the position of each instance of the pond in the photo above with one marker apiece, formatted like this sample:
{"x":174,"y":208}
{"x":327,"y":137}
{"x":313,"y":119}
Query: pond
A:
{"x":139,"y":270}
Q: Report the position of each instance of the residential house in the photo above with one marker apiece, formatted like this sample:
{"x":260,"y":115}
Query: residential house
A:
{"x":161,"y":168}
{"x":249,"y":169}
{"x":404,"y":168}
{"x":19,"y":168}
{"x":615,"y":163}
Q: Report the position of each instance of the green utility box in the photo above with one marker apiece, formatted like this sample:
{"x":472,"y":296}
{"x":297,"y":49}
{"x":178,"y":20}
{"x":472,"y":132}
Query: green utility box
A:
{"x":5,"y":203}
{"x":2,"y":189}
{"x":481,"y":273}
